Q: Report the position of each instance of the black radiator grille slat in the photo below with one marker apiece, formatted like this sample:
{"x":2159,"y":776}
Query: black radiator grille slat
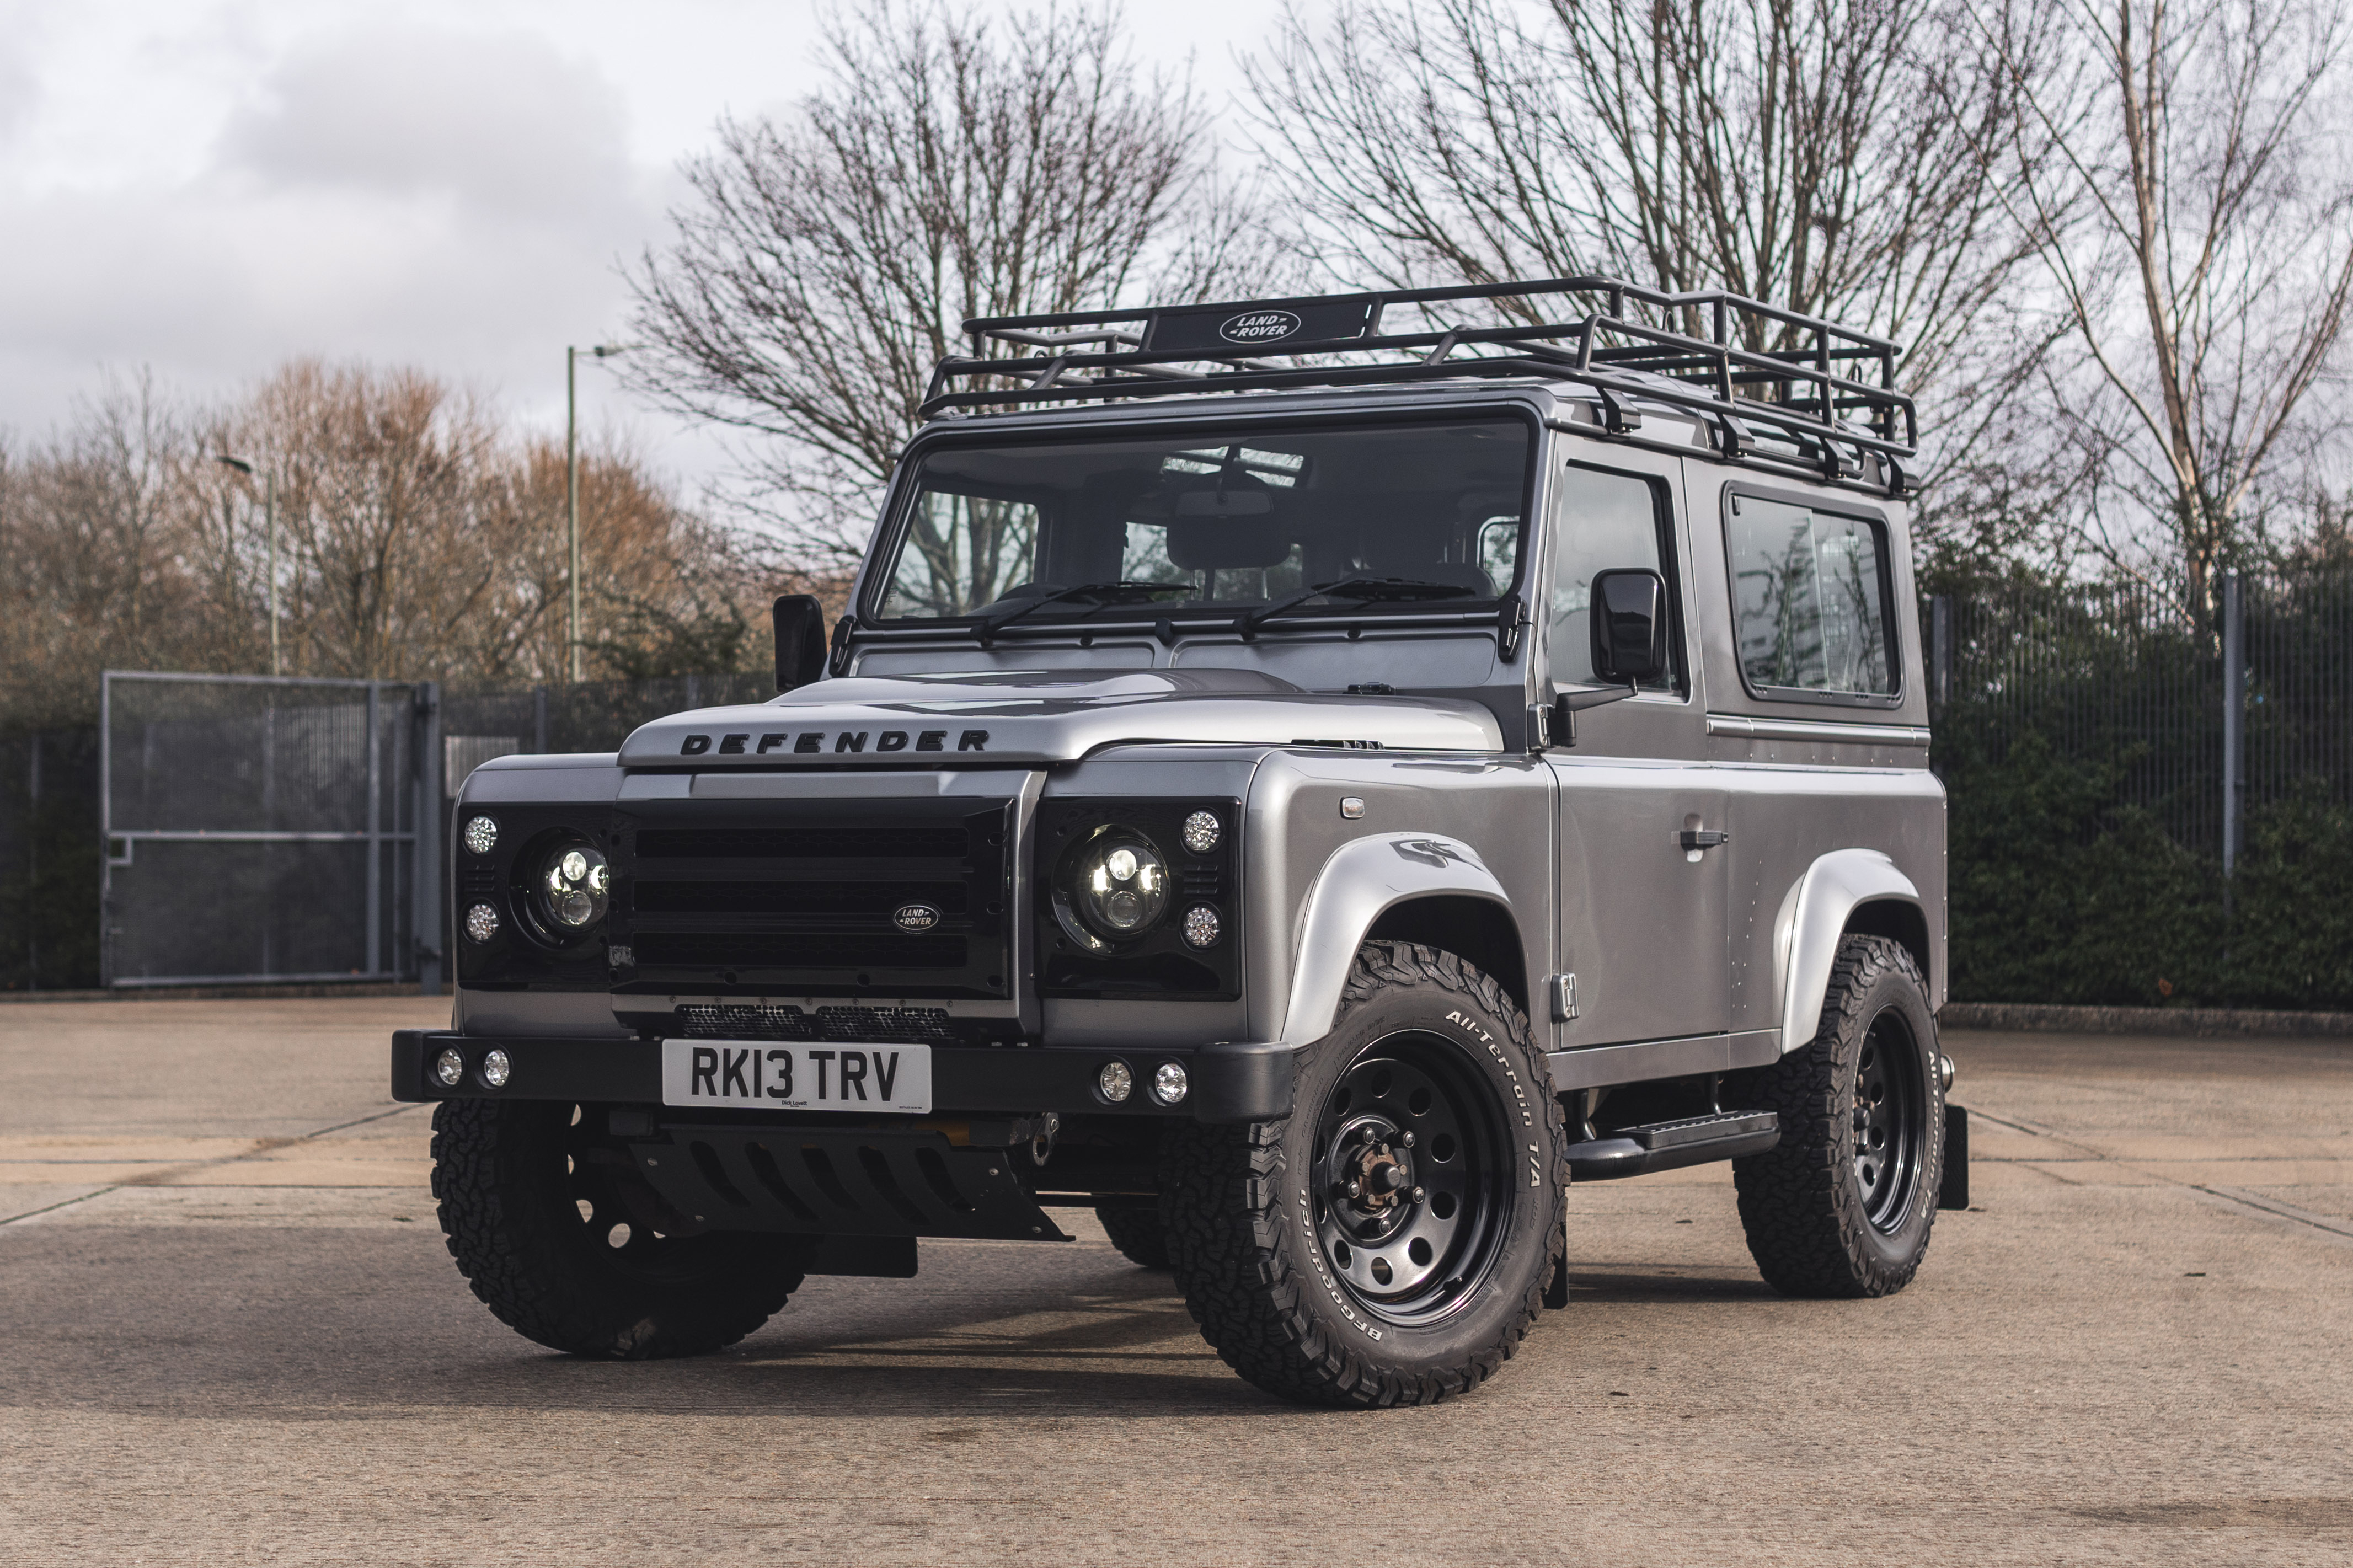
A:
{"x":794,"y":950}
{"x":879,"y":842}
{"x":829,"y":898}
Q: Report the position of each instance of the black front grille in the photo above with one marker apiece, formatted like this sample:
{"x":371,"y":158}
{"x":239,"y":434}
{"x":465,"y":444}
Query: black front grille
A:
{"x":876,"y":842}
{"x":909,"y":897}
{"x":879,"y":1026}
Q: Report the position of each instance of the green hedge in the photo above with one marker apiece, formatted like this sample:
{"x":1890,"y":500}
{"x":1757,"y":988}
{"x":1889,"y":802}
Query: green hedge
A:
{"x":2060,"y":894}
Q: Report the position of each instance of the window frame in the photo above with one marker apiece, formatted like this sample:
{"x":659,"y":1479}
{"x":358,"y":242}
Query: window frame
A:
{"x":1662,"y":514}
{"x":907,"y":485}
{"x":1885,"y":533}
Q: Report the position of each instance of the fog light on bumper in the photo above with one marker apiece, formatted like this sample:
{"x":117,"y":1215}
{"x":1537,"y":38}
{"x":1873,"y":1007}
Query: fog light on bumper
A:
{"x":1170,"y":1082}
{"x":448,"y":1067}
{"x":1116,"y":1082}
{"x":497,"y":1068}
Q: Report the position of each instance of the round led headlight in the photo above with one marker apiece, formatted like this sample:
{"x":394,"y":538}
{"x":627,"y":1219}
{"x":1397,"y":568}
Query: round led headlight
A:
{"x":1111,"y":889}
{"x":573,"y":889}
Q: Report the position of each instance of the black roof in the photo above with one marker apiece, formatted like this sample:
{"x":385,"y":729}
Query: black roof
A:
{"x":1816,"y":398}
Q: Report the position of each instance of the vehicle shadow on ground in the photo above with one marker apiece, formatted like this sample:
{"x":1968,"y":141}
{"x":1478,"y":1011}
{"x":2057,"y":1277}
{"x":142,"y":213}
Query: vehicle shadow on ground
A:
{"x":1634,"y":1287}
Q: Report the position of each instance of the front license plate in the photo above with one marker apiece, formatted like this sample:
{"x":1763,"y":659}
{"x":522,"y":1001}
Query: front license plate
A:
{"x":775,"y":1077}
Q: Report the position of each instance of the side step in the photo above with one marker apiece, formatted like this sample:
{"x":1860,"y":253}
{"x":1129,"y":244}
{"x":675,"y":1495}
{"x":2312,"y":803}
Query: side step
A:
{"x":1670,"y":1145}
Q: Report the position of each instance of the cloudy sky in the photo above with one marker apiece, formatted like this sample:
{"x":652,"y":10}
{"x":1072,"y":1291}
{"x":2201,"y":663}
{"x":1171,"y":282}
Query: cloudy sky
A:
{"x":205,"y":189}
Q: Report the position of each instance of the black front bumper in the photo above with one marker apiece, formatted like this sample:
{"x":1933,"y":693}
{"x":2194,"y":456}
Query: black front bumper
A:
{"x":1229,"y":1083}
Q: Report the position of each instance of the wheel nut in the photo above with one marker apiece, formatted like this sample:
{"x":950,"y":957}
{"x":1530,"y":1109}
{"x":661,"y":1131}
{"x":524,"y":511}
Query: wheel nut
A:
{"x":1418,"y":1194}
{"x":1406,"y":1139}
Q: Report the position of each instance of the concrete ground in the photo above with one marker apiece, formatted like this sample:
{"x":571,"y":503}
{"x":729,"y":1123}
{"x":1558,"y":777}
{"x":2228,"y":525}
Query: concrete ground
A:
{"x":234,"y":1336}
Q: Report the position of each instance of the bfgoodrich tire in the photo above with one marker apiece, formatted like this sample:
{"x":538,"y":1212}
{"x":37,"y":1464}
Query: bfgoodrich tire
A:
{"x":1389,"y":1242}
{"x":1844,"y":1204}
{"x":550,"y":1226}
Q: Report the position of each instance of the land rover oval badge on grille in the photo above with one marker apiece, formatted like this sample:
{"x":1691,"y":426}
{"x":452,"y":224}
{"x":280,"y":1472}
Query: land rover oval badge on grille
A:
{"x":914,"y":917}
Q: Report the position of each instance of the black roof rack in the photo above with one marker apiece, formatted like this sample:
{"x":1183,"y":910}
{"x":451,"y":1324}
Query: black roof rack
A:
{"x":1747,"y":369}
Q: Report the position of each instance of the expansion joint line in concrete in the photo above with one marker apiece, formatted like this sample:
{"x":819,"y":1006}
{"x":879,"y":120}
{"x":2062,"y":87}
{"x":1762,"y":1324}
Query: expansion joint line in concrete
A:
{"x":2230,"y":1197}
{"x":170,"y":1174}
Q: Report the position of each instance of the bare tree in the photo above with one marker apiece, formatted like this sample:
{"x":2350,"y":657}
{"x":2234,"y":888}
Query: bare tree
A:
{"x":951,"y":167}
{"x":1825,"y":155}
{"x":2198,"y":229}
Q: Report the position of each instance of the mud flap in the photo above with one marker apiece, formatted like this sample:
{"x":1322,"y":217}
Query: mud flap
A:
{"x":1954,"y":1192}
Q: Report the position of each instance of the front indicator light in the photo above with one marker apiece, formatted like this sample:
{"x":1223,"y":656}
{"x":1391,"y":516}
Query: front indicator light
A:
{"x":1202,"y":926}
{"x":1169,"y":1083}
{"x":1116,"y":1081}
{"x":448,"y":1067}
{"x":497,"y":1068}
{"x":1202,"y":831}
{"x":481,"y":923}
{"x":482,"y":836}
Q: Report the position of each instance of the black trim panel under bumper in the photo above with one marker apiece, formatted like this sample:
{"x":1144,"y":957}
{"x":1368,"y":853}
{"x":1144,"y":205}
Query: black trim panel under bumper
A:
{"x":1228,"y":1083}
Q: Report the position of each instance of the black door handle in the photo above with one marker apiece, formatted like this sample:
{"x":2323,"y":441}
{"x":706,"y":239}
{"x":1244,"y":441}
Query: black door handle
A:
{"x":1702,"y":838}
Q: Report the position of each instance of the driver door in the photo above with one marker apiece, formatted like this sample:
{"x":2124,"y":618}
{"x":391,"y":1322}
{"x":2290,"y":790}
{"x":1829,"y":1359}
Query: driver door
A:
{"x":1643,"y":923}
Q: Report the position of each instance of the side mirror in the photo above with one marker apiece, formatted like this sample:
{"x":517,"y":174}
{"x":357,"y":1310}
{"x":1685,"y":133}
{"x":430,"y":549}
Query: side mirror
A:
{"x":1630,"y":625}
{"x":800,"y":640}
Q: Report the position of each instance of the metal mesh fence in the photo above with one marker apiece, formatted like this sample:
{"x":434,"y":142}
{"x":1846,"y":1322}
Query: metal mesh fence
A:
{"x":49,"y":860}
{"x":258,"y":828}
{"x":592,"y":717}
{"x":2116,"y":676}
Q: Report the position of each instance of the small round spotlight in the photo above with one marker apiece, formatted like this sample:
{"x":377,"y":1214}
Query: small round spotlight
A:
{"x":1116,"y":1082}
{"x":1202,"y":926}
{"x":448,"y":1067}
{"x":1170,"y":1082}
{"x":481,"y":923}
{"x":497,"y":1068}
{"x":1202,"y":831}
{"x":482,"y":836}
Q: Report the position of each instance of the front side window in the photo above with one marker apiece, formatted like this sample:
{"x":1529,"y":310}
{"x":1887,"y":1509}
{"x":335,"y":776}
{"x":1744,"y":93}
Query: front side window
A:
{"x":1810,"y":599}
{"x":1215,"y":518}
{"x":1605,"y":522}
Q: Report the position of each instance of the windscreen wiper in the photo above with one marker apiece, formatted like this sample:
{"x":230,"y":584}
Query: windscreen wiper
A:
{"x":994,"y":621}
{"x":1361,"y":589}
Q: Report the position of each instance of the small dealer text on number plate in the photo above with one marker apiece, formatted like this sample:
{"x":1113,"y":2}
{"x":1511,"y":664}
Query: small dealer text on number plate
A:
{"x":820,"y":1076}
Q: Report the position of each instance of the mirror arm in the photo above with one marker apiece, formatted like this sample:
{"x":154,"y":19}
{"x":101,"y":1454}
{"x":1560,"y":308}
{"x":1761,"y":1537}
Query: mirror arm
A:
{"x":1569,"y":704}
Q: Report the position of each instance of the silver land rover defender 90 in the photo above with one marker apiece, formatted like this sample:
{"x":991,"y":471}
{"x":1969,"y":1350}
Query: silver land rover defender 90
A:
{"x":1305,"y":786}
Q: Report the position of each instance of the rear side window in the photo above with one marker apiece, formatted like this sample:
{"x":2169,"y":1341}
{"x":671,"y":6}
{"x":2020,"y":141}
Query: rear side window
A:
{"x":1810,"y":600}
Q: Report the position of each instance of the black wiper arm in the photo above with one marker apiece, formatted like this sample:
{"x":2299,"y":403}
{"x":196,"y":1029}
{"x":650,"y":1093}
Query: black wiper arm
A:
{"x":996,"y":620}
{"x":1362,"y":589}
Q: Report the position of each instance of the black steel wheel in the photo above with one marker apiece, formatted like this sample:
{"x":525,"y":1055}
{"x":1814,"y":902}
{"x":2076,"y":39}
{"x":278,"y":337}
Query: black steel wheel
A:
{"x":1891,"y":1122}
{"x":1389,"y":1242}
{"x":566,"y":1245}
{"x":1412,"y":1179}
{"x":1844,"y":1204}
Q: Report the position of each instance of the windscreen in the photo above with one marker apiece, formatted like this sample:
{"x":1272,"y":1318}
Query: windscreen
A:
{"x":1212,"y":518}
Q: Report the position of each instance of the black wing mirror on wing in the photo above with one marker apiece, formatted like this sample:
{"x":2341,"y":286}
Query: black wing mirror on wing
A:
{"x":800,"y":640}
{"x":1630,"y":625}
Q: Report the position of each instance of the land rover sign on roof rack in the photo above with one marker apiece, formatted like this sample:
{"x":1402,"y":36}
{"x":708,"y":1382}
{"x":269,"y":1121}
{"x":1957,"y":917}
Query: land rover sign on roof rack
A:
{"x":1284,"y":323}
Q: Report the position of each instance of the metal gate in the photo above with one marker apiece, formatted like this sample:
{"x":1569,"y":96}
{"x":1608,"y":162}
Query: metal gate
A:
{"x":266,"y":828}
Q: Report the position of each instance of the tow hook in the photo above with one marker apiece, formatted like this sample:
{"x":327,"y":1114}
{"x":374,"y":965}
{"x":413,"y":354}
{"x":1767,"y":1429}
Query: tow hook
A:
{"x":1042,"y":1147}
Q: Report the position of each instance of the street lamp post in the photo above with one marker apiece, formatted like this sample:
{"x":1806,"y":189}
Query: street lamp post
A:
{"x":572,"y":487}
{"x":269,"y":523}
